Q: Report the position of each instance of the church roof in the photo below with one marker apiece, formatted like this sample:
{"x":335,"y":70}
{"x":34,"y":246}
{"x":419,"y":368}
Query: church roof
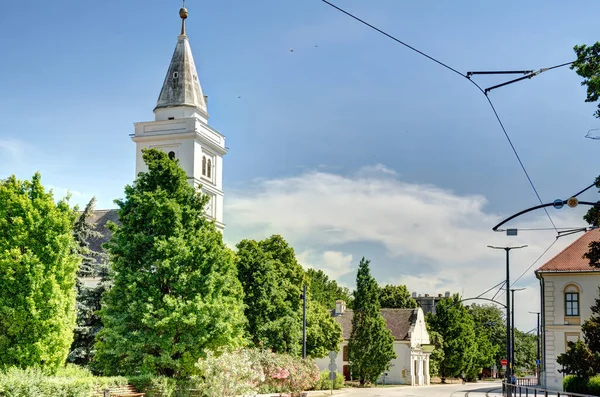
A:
{"x":571,"y":258}
{"x":100,"y":219}
{"x":182,"y":85}
{"x":399,"y":322}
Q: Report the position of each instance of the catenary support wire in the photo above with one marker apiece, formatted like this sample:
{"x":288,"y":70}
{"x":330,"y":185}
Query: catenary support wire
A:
{"x":474,"y":83}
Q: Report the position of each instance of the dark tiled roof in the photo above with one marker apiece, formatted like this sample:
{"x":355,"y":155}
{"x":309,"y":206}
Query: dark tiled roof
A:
{"x":571,"y":258}
{"x":399,"y":321}
{"x":99,"y":219}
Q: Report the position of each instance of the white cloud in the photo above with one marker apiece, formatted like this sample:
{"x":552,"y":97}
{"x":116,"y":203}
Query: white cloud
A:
{"x":431,"y":239}
{"x":333,"y":263}
{"x":76,"y":198}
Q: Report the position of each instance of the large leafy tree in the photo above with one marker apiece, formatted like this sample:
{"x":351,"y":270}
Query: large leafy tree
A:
{"x":371,"y":345}
{"x":490,"y":332}
{"x":175,"y":289}
{"x":396,"y":297}
{"x":325,"y":290}
{"x":453,"y":322}
{"x":38,"y":267}
{"x":525,"y":350}
{"x":272,"y":280}
{"x":94,"y":265}
{"x":437,"y":356}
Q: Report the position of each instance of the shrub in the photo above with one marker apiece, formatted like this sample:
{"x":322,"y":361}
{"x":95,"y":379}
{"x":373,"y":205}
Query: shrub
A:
{"x":593,"y":386}
{"x":285,"y":373}
{"x":324,"y":383}
{"x":576,"y":384}
{"x":72,"y":381}
{"x":231,"y":373}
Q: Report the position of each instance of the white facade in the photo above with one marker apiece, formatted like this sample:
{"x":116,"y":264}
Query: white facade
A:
{"x":569,"y":287}
{"x":411,"y":365}
{"x":560,"y":328}
{"x":181,"y":129}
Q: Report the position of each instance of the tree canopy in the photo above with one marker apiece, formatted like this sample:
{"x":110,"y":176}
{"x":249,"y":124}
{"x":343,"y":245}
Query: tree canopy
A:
{"x":38,"y":264}
{"x":371,"y":345}
{"x":396,"y":297}
{"x":325,"y":290}
{"x":272,"y":280}
{"x":456,"y":327}
{"x":175,"y":289}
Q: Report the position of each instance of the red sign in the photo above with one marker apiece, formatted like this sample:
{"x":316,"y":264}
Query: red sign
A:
{"x":503,"y":361}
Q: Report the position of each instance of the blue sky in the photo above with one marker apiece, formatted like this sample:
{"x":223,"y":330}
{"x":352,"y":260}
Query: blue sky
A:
{"x":350,"y":145}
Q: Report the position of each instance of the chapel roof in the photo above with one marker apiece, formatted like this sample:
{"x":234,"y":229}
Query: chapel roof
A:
{"x":399,"y":322}
{"x":571,"y":258}
{"x":99,"y":219}
{"x":182,"y":85}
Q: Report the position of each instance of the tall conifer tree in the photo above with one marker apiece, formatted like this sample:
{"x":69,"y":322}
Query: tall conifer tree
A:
{"x":175,"y":289}
{"x":371,"y":345}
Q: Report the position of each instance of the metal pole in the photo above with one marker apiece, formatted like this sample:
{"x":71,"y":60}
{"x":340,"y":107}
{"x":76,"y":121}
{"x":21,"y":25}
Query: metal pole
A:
{"x":304,"y":322}
{"x":512,"y":330}
{"x":508,"y":344}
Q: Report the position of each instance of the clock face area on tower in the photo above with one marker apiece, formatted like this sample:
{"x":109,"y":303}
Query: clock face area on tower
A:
{"x":180,"y":128}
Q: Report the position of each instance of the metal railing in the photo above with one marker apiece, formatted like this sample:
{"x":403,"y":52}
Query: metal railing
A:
{"x":512,"y":390}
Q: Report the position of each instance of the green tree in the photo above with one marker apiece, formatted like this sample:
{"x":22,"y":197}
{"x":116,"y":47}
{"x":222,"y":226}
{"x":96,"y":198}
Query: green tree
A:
{"x":490,"y":332}
{"x":175,"y":289}
{"x":323,"y":333}
{"x":453,"y":322}
{"x":525,"y":350}
{"x":38,"y":267}
{"x":371,"y":345}
{"x":396,"y":297}
{"x":272,"y":281}
{"x":326,"y":291}
{"x":94,"y":264}
{"x":437,"y":356}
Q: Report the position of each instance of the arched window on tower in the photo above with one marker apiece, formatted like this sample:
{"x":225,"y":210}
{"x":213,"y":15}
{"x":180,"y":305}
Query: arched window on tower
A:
{"x":209,"y":169}
{"x":204,"y":165}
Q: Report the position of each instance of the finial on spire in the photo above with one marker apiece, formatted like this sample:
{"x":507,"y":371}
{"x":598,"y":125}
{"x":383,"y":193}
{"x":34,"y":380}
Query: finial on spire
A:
{"x":183,"y":13}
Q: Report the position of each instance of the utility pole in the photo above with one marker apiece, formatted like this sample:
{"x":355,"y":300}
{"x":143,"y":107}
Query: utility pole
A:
{"x":537,"y":361}
{"x":304,"y":322}
{"x":512,"y":350}
{"x":508,"y":344}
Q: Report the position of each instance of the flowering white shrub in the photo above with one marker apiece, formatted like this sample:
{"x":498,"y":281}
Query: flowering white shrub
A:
{"x":232,"y":373}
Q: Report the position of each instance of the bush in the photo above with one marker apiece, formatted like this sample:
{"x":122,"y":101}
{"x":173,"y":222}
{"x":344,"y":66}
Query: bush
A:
{"x":324,"y":383}
{"x":72,"y":382}
{"x":287,"y":374}
{"x":576,"y":384}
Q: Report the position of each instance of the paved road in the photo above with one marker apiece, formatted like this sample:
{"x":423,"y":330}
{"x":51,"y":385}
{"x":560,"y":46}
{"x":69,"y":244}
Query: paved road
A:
{"x":483,"y":389}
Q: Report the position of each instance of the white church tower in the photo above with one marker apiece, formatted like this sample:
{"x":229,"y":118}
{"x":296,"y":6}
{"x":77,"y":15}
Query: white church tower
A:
{"x":181,"y":128}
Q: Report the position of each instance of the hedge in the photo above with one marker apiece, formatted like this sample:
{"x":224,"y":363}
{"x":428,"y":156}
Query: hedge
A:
{"x":575,"y":384}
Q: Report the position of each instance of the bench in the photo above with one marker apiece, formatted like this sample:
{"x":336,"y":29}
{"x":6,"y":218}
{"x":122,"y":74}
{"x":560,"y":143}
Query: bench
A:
{"x":120,"y":391}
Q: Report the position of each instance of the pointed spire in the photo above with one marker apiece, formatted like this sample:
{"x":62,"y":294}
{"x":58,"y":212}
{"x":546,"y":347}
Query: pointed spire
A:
{"x":182,"y":86}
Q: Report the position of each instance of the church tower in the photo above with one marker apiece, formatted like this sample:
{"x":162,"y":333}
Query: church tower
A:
{"x":180,"y":128}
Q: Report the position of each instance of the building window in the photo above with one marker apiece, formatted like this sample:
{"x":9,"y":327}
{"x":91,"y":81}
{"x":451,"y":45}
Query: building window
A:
{"x":204,"y":165}
{"x":572,"y":303}
{"x":175,"y":75}
{"x":345,"y":353}
{"x":209,"y":169}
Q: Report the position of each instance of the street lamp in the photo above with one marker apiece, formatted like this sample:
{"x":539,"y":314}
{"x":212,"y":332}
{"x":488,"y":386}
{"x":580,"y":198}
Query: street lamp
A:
{"x":512,"y":350}
{"x":537,"y":361}
{"x":508,"y":358}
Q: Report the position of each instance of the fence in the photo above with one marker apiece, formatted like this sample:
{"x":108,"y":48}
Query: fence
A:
{"x":511,"y":390}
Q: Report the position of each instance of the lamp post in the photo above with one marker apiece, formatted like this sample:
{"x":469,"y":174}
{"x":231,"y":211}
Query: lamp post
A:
{"x":512,"y":320}
{"x":508,"y":358}
{"x":537,"y":361}
{"x":303,"y":321}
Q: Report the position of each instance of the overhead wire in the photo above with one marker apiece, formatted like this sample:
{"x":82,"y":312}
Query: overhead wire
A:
{"x":474,"y":83}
